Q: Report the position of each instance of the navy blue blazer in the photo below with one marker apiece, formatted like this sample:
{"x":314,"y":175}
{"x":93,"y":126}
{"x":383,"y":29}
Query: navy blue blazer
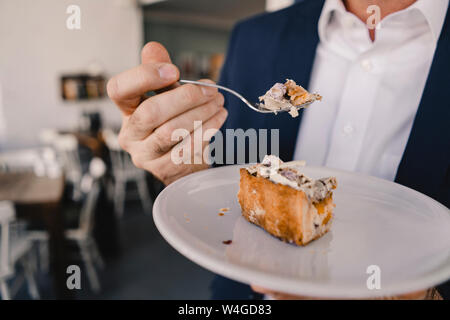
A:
{"x":272,"y":47}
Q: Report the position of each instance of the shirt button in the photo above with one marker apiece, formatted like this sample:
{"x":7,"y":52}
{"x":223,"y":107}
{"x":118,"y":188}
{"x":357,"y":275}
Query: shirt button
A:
{"x":348,"y":130}
{"x":367,"y":65}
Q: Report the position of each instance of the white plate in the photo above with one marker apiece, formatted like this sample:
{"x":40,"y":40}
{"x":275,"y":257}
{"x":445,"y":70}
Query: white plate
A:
{"x":403,"y":232}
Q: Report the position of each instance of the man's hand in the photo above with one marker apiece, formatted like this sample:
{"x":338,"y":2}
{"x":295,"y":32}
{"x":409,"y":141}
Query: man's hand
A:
{"x":430,"y":294}
{"x":148,"y":123}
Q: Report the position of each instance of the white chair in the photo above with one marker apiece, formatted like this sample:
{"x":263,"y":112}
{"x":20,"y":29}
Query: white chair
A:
{"x":15,"y":248}
{"x":48,"y":136}
{"x":90,"y":186}
{"x":83,"y":235}
{"x":124,"y":171}
{"x":67,"y":148}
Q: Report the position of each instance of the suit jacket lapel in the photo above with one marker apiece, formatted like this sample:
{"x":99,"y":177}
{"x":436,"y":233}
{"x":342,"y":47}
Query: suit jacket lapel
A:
{"x":425,"y":162}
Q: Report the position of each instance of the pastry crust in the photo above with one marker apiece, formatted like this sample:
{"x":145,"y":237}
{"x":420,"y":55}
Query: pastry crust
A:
{"x":284,"y":212}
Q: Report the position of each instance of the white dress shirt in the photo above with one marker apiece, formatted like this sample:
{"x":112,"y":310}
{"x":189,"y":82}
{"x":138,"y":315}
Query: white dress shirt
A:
{"x":371,"y":90}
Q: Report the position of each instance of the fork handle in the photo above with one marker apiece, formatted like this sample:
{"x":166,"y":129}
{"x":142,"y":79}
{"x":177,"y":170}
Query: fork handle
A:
{"x":206,"y":84}
{"x":222,"y":88}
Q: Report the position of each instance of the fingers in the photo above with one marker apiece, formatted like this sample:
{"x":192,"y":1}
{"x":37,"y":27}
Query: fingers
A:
{"x":418,"y":295}
{"x":160,"y":141}
{"x":279,"y":295}
{"x":260,"y":289}
{"x":159,"y":109}
{"x":155,"y":72}
{"x":154,"y":52}
{"x":165,"y":168}
{"x":127,"y":88}
{"x":148,"y":123}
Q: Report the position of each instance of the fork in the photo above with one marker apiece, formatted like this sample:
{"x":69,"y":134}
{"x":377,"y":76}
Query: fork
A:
{"x":258,"y":107}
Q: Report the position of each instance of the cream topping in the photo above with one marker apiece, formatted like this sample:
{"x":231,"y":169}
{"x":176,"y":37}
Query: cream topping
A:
{"x":288,"y":173}
{"x":287,"y":96}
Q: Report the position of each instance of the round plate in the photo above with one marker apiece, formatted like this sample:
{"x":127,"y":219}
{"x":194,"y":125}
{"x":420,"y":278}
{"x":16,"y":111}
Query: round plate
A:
{"x":385,"y":239}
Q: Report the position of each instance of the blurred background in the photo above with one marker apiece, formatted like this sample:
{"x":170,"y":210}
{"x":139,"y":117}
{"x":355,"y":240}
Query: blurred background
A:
{"x":68,"y":195}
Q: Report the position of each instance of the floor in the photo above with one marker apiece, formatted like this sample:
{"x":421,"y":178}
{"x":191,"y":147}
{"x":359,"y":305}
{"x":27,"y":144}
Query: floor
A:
{"x":146,"y":267}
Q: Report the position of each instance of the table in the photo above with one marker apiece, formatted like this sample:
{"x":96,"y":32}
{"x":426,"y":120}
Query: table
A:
{"x":39,"y":198}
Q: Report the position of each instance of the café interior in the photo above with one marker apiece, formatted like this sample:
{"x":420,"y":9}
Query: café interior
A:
{"x":70,"y":199}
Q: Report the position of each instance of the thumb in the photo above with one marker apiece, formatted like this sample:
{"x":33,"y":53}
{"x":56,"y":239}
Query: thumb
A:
{"x":154,"y":52}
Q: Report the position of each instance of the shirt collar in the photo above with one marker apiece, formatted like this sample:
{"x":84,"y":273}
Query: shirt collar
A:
{"x":433,"y":10}
{"x":328,"y":10}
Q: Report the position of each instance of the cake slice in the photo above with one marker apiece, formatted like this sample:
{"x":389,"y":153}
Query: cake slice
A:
{"x":279,"y":198}
{"x":287,"y":96}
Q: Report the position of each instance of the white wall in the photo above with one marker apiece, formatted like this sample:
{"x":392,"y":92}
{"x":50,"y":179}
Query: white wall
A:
{"x":36,"y":48}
